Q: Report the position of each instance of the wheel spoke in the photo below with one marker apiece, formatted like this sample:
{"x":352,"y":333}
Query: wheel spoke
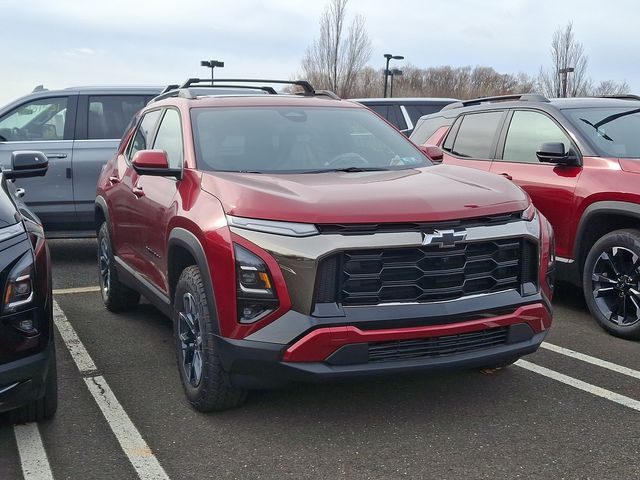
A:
{"x":604,"y":292}
{"x":598,"y":277}
{"x":614,"y":311}
{"x":610,"y":260}
{"x":196,"y":366}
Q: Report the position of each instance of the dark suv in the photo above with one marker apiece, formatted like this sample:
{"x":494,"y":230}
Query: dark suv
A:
{"x":27,"y":357}
{"x":579,"y":159}
{"x":404,"y":113}
{"x":300,"y":237}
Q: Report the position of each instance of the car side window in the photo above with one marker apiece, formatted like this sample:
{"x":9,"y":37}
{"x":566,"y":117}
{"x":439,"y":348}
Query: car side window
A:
{"x":451,"y":136}
{"x":40,"y":120}
{"x":527,"y":132}
{"x":476,"y":135}
{"x":169,"y":138}
{"x":109,"y":115}
{"x":427,"y":127}
{"x":142,"y":138}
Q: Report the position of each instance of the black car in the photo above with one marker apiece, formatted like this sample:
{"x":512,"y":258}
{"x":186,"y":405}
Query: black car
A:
{"x":28,"y":388}
{"x":404,"y":112}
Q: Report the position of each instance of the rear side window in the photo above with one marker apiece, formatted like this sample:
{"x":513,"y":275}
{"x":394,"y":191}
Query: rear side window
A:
{"x":391,"y":113}
{"x":142,"y":138}
{"x":476,"y":135}
{"x":527,"y":132}
{"x":417,"y":111}
{"x":109,"y":115}
{"x":169,"y":138}
{"x":40,"y":120}
{"x":427,"y":127}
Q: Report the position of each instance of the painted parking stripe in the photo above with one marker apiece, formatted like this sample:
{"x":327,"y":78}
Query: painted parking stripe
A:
{"x":33,"y":457}
{"x":65,"y":291}
{"x":580,"y":385}
{"x":133,"y":445}
{"x":592,"y":360}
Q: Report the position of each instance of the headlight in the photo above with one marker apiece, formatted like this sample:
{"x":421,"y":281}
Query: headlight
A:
{"x":255,"y":291}
{"x":289,"y":229}
{"x":528,"y":213}
{"x":18,"y":290}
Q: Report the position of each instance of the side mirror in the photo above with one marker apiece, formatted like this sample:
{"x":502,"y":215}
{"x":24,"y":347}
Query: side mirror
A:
{"x":154,"y":162}
{"x":27,"y":163}
{"x":433,"y":152}
{"x":554,"y":152}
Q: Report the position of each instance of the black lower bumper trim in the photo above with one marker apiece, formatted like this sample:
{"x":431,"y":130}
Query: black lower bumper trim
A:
{"x":23,"y":381}
{"x":257,"y":364}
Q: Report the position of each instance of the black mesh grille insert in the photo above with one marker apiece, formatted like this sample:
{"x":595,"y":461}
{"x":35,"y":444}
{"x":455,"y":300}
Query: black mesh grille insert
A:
{"x":432,"y":273}
{"x":437,"y":346}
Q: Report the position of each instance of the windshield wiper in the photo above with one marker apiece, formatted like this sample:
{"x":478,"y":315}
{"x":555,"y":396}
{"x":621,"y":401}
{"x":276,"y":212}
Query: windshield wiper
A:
{"x":349,"y":170}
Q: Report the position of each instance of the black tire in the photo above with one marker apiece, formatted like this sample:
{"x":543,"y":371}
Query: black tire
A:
{"x":116,"y":296}
{"x":206,"y":383}
{"x":611,"y":283}
{"x":45,"y":407}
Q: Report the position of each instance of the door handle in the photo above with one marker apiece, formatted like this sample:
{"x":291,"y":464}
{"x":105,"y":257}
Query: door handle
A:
{"x":114,"y":180}
{"x":56,"y":155}
{"x":137,"y":191}
{"x":20,"y":192}
{"x":507,"y":176}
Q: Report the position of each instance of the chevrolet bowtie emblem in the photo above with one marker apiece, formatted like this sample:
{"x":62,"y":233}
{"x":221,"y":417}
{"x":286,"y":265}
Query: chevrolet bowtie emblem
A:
{"x":443,"y":238}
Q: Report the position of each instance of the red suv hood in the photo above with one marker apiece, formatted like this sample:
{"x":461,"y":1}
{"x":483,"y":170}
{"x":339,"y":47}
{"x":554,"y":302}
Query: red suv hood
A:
{"x":441,"y":192}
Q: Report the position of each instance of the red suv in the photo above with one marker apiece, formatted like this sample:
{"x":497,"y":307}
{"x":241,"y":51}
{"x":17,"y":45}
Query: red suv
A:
{"x":579,"y":159}
{"x":301,"y":237}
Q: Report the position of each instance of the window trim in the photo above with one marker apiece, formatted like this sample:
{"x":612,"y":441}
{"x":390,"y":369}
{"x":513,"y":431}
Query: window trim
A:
{"x":499,"y":155}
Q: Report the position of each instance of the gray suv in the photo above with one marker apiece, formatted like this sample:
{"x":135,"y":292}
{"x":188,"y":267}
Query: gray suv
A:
{"x":78,"y":129}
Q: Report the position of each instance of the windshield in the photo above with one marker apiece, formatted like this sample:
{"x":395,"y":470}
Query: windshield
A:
{"x":614,"y":131}
{"x":298,"y":140}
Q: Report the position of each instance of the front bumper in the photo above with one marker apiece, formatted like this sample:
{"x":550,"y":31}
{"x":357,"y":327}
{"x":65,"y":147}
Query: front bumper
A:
{"x":343,"y":351}
{"x":23,"y":381}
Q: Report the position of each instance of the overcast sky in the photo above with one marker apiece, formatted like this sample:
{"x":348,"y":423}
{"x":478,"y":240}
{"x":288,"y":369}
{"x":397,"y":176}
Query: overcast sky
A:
{"x":61,"y":43}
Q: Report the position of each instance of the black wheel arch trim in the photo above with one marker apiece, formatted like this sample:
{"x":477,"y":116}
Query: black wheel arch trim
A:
{"x":627,"y":209}
{"x":187,"y":240}
{"x":101,"y":203}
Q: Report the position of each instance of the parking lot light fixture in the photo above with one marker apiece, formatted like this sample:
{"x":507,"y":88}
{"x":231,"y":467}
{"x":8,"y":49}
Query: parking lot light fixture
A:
{"x":389,"y":57}
{"x":211,"y":64}
{"x":564,"y":72}
{"x":394,"y":72}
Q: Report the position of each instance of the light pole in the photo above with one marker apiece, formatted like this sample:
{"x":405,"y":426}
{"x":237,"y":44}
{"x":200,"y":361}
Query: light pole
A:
{"x":389,"y":56}
{"x":393,"y":73}
{"x":563,"y":72}
{"x":211,"y":64}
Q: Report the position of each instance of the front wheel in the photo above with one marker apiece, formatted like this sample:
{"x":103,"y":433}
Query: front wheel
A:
{"x":611,"y":282}
{"x":206,"y":383}
{"x":44,"y":407}
{"x":116,"y":296}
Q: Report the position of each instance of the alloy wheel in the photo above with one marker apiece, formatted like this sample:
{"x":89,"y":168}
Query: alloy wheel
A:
{"x":616,"y":285}
{"x":190,"y":335}
{"x":105,"y":274}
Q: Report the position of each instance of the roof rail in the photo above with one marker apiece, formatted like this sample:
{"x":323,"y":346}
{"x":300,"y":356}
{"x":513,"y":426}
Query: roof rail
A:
{"x":306,"y":86}
{"x":625,"y":96}
{"x":530,"y":97}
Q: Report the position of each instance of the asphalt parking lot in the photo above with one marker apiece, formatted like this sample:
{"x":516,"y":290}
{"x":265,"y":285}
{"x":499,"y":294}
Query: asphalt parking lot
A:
{"x":572,"y":410}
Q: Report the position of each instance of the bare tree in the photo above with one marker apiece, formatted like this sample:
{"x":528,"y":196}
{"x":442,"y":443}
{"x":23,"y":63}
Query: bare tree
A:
{"x":611,"y":87}
{"x":335,"y":59}
{"x":566,"y":53}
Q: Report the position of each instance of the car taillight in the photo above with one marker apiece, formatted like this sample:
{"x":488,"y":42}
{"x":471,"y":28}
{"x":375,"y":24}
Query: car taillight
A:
{"x":255,"y":291}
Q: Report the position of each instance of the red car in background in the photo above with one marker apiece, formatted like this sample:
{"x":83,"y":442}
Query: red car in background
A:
{"x":579,"y":160}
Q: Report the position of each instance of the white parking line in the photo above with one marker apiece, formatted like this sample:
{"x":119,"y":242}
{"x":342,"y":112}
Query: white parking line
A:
{"x":592,"y":360}
{"x":64,"y":291}
{"x":33,"y":457}
{"x":133,"y":445}
{"x":580,"y":385}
